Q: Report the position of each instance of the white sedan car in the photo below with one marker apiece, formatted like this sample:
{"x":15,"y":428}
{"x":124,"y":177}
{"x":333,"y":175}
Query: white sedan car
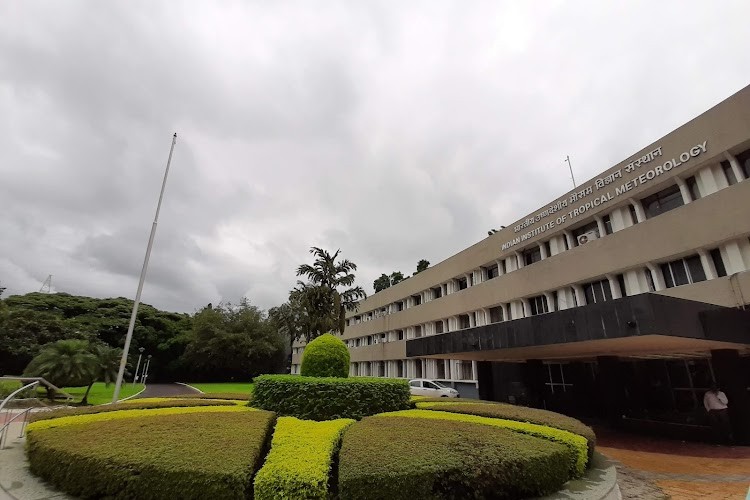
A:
{"x":425,"y":387}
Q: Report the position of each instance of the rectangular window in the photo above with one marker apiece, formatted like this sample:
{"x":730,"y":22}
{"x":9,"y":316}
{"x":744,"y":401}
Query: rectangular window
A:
{"x":496,"y":314}
{"x":728,"y":173}
{"x":463,"y":321}
{"x":633,"y":213}
{"x":718,"y":262}
{"x":683,"y":271}
{"x":556,"y":378}
{"x":548,"y":248}
{"x":650,"y":280}
{"x":438,"y":327}
{"x":591,"y":227}
{"x":532,"y":255}
{"x":437,"y":292}
{"x":607,"y":224}
{"x":621,"y":283}
{"x":663,"y":201}
{"x":462,"y":283}
{"x":692,"y":184}
{"x":417,"y":299}
{"x":440,"y":369}
{"x":744,"y":160}
{"x":400,"y":334}
{"x":538,"y":305}
{"x":597,"y":292}
{"x":492,"y":272}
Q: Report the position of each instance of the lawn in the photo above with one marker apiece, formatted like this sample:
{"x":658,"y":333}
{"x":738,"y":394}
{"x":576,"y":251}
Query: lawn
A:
{"x":101,"y":394}
{"x":225,"y":387}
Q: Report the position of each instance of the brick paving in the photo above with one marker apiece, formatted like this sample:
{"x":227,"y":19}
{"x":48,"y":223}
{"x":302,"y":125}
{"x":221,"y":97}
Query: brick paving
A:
{"x":655,"y":469}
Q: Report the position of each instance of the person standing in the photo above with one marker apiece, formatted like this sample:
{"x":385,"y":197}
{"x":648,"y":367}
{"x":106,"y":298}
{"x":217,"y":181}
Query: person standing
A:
{"x":717,"y":406}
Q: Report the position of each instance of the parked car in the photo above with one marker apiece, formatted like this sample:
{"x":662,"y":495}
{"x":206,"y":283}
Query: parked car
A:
{"x":425,"y":387}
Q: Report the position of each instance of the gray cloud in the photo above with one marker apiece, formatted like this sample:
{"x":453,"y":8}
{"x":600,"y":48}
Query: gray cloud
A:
{"x":393,"y":134}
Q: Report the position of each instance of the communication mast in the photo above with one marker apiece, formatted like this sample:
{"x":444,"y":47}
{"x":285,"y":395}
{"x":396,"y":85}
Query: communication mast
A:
{"x":47,"y":285}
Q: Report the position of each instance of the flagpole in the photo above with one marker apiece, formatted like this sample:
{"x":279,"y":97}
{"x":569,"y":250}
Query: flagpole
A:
{"x":567,"y":158}
{"x":129,"y":336}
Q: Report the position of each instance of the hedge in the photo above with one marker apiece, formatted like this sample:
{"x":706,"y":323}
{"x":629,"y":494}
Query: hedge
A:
{"x":84,"y":418}
{"x":578,"y":457}
{"x":325,"y":356}
{"x":513,"y":412}
{"x":314,"y":398}
{"x":128,"y":405}
{"x":174,"y":456}
{"x":234,"y":396}
{"x":301,"y":458}
{"x":400,"y":458}
{"x":7,"y":387}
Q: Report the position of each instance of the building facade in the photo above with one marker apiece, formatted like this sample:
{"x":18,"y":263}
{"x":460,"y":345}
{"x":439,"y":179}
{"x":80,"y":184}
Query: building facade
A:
{"x":622,"y":299}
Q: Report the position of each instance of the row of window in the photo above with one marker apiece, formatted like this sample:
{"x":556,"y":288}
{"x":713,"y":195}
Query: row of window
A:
{"x":436,"y":369}
{"x":653,"y":205}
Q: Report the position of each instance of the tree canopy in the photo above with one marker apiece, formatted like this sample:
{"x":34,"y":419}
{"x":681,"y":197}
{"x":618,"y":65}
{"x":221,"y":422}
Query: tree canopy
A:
{"x":388,"y":280}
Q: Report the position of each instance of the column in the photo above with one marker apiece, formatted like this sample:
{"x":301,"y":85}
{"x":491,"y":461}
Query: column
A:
{"x":600,"y":226}
{"x":565,"y":298}
{"x":506,"y":314}
{"x":610,"y":388}
{"x":708,"y":264}
{"x":728,"y":370}
{"x":525,"y":308}
{"x":472,"y":320}
{"x":706,"y":181}
{"x":550,"y":301}
{"x":734,"y":262}
{"x":556,"y":244}
{"x":580,"y":296}
{"x":569,"y":238}
{"x":658,"y":277}
{"x":619,"y":220}
{"x":639,"y":211}
{"x":684,"y":190}
{"x":500,"y":267}
{"x":519,"y":260}
{"x":736,"y":168}
{"x":614,"y":286}
{"x":543,"y":250}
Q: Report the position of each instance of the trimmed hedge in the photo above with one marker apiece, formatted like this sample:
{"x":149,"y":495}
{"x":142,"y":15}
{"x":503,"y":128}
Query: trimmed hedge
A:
{"x":325,"y":356}
{"x":7,"y":387}
{"x":400,"y":458}
{"x":314,"y":398}
{"x":234,"y":396}
{"x":576,"y":444}
{"x":166,"y":457}
{"x":301,"y":458}
{"x":135,"y":405}
{"x":513,"y":412}
{"x":120,"y":414}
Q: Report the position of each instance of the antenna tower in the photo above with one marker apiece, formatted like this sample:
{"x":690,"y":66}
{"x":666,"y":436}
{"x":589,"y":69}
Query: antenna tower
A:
{"x":47,"y":285}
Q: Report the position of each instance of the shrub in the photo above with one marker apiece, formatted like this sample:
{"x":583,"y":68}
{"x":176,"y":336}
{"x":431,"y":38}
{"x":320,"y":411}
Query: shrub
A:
{"x":314,"y":398}
{"x":7,"y":387}
{"x":576,"y":444}
{"x":325,"y":356}
{"x":175,"y":456}
{"x":520,"y":413}
{"x":399,"y":458}
{"x":299,"y":464}
{"x":233,"y":396}
{"x":74,"y":418}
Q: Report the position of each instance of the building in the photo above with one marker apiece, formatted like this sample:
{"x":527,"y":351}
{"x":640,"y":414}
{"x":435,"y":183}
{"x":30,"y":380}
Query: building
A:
{"x":622,"y":299}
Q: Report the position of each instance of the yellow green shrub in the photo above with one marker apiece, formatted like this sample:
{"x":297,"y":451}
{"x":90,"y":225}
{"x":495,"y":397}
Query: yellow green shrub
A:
{"x":299,"y":463}
{"x":577,"y":444}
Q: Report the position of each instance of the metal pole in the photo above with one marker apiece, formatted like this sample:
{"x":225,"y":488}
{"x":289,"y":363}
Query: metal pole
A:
{"x":129,"y":336}
{"x":145,"y":372}
{"x":138,"y":365}
{"x":567,"y":158}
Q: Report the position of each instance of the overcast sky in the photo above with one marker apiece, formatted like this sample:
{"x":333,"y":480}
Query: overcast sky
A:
{"x":394,"y":131}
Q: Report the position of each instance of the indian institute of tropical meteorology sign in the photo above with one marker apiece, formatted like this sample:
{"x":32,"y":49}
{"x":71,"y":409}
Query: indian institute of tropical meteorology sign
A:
{"x":601,"y":192}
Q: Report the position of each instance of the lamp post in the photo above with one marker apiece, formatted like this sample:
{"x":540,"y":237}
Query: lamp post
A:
{"x":145,"y":371}
{"x":140,"y":353}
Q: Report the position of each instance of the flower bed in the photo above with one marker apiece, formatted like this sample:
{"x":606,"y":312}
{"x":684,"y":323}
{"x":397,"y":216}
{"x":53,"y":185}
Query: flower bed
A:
{"x":299,"y":464}
{"x":159,"y":456}
{"x":406,"y":458}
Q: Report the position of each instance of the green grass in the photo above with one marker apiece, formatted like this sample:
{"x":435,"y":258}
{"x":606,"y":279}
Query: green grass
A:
{"x":225,"y":387}
{"x":100,"y":394}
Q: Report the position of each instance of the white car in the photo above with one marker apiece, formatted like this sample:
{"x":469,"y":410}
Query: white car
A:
{"x":425,"y":387}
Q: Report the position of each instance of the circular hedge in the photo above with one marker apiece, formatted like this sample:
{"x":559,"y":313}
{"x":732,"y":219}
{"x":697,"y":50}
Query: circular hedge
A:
{"x":325,"y":356}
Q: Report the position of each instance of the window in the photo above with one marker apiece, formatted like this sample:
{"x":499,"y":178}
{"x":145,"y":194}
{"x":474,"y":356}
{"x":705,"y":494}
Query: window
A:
{"x":532,"y":255}
{"x":728,"y":172}
{"x":692,"y":185}
{"x":399,"y":368}
{"x":744,"y":160}
{"x":607,"y":224}
{"x":400,"y":306}
{"x":633,"y":213}
{"x":419,"y":364}
{"x":538,"y":305}
{"x":437,"y":292}
{"x":464,"y":370}
{"x":463,"y":321}
{"x":400,"y":334}
{"x":591,"y":227}
{"x":621,"y":283}
{"x":597,"y":292}
{"x":438,"y":327}
{"x":683,"y":271}
{"x":418,"y":331}
{"x":493,"y":272}
{"x":689,"y":380}
{"x":663,"y":201}
{"x":650,"y":280}
{"x":496,"y":314}
{"x":556,"y":378}
{"x":440,"y":368}
{"x":462,"y":283}
{"x":417,"y":299}
{"x":548,"y":249}
{"x":718,"y":262}
{"x":415,"y":383}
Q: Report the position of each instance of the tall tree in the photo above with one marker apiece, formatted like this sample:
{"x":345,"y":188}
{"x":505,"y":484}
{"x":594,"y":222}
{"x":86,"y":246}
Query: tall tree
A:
{"x":397,"y":277}
{"x":382,"y":283}
{"x":422,"y":265}
{"x":324,"y":300}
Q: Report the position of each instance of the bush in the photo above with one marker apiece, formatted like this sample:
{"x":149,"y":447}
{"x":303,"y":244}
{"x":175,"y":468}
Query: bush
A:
{"x":399,"y":458}
{"x":165,"y":457}
{"x":299,"y":464}
{"x":7,"y":387}
{"x":77,"y":416}
{"x":520,"y":413}
{"x":314,"y":398}
{"x":576,"y":444}
{"x":325,"y":356}
{"x":233,"y":396}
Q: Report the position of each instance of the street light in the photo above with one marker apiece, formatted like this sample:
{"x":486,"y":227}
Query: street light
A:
{"x":140,"y":351}
{"x":145,"y":371}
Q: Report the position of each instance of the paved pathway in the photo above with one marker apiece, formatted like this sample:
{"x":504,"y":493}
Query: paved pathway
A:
{"x":166,"y":390}
{"x":652,"y":468}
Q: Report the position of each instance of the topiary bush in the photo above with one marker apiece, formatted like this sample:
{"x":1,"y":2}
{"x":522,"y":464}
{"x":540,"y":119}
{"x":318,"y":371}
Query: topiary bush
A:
{"x":399,"y":458}
{"x":127,"y":405}
{"x":325,"y":356}
{"x":301,"y":460}
{"x":184,"y":456}
{"x":316,"y":398}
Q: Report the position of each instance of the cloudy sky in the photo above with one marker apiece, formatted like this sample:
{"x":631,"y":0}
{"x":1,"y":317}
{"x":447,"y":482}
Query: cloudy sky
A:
{"x":392,"y":130}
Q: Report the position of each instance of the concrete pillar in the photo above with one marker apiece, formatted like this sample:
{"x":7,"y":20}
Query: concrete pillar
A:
{"x":719,"y":176}
{"x":684,"y":190}
{"x":499,"y":263}
{"x":600,"y":226}
{"x":639,"y":211}
{"x":556,"y":244}
{"x":708,"y":264}
{"x":734,"y":263}
{"x":658,"y":277}
{"x":519,"y":260}
{"x":580,"y":296}
{"x":614,"y":286}
{"x":525,"y":308}
{"x":633,"y":282}
{"x":550,"y":301}
{"x":736,"y":168}
{"x":620,"y":220}
{"x":706,"y":181}
{"x":543,"y":250}
{"x":730,"y":377}
{"x":506,"y":315}
{"x":565,"y":298}
{"x":472,"y":320}
{"x":569,"y":239}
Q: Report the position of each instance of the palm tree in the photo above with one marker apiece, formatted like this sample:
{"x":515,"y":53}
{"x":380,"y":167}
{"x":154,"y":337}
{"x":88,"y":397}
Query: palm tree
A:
{"x":325,"y":304}
{"x":65,"y":363}
{"x":107,"y":366}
